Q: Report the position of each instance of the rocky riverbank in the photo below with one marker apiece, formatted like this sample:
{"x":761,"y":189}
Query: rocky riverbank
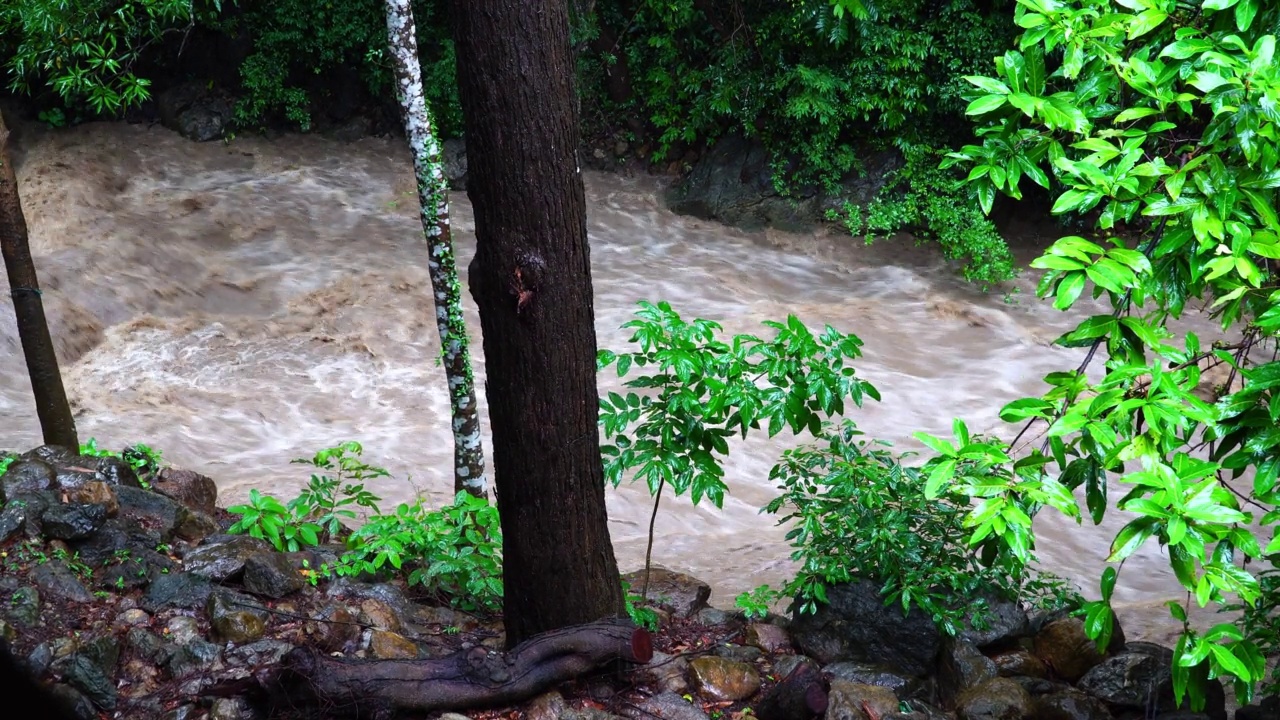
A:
{"x":134,"y":602}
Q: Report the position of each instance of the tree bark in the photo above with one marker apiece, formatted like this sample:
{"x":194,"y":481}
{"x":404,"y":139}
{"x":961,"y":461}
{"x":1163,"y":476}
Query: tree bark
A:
{"x":531,"y":278}
{"x":468,"y":679}
{"x":433,"y":198}
{"x":56,"y":422}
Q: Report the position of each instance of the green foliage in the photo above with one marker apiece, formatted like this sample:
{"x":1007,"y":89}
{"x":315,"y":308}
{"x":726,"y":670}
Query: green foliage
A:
{"x":640,"y":614}
{"x":84,"y":51}
{"x":1158,"y":121}
{"x":265,"y":517}
{"x":145,"y":461}
{"x":454,"y":553}
{"x":328,"y":499}
{"x":6,"y":459}
{"x":706,"y":390}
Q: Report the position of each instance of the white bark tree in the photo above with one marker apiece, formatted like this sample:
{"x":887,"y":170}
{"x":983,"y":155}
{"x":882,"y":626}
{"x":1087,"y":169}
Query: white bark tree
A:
{"x":433,"y":196}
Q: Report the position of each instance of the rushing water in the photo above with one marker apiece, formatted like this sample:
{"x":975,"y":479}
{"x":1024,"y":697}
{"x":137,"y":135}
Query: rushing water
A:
{"x":238,"y":305}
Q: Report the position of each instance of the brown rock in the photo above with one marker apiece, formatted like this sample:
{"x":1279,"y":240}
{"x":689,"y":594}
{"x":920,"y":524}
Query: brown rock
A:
{"x":768,"y":637}
{"x":193,"y":525}
{"x":548,"y":706}
{"x":391,"y":646}
{"x":336,"y":630}
{"x":997,"y":699}
{"x":189,"y":488}
{"x":1019,"y":662}
{"x":379,"y":615}
{"x":684,"y":594}
{"x":1066,"y":650}
{"x":96,"y":493}
{"x":668,"y":672}
{"x":718,"y":678}
{"x":856,"y":701}
{"x":238,"y":626}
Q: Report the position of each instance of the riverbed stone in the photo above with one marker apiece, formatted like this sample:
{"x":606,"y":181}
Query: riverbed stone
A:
{"x":271,"y":574}
{"x":84,"y":674}
{"x":13,"y":517}
{"x":72,"y":522}
{"x":1070,"y":705}
{"x":188,"y":488}
{"x":1066,"y":649}
{"x":26,"y":476}
{"x":1019,"y":662}
{"x":663,"y":706}
{"x":681,"y":593}
{"x":1140,"y":677}
{"x":196,"y":110}
{"x":387,"y":645}
{"x":1003,"y":623}
{"x":193,"y":657}
{"x":962,"y":666}
{"x":721,"y":679}
{"x":151,"y":511}
{"x":855,"y":624}
{"x":193,"y":525}
{"x":55,"y":579}
{"x":222,"y":557}
{"x":868,"y":674}
{"x":73,"y":701}
{"x":669,"y":672}
{"x":852,"y":701}
{"x":741,"y":653}
{"x":23,"y":607}
{"x":996,"y":699}
{"x":335,"y":630}
{"x":786,"y":664}
{"x":768,"y":637}
{"x":176,"y":590}
{"x":547,"y":706}
{"x":230,"y":709}
{"x":96,"y":493}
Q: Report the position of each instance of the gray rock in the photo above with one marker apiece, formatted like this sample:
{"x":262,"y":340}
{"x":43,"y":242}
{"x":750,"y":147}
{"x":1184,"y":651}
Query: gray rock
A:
{"x":53,"y":578}
{"x":716,"y":616}
{"x":196,"y":111}
{"x":683,"y":594}
{"x":148,"y":646}
{"x":182,"y":712}
{"x":85,"y":675}
{"x":26,"y":476}
{"x":856,"y":625}
{"x":40,"y":659}
{"x":222,"y":557}
{"x":454,"y":156}
{"x":23,"y":607}
{"x":1002,"y":623}
{"x":176,"y":590}
{"x":182,"y":629}
{"x":1267,"y":709}
{"x":230,"y":709}
{"x":668,"y":672}
{"x":1070,"y":705}
{"x":193,"y":525}
{"x":149,"y":510}
{"x":741,"y":653}
{"x":664,"y":706}
{"x":1141,"y":677}
{"x":997,"y":699}
{"x":116,"y":472}
{"x":257,"y":654}
{"x":73,"y":701}
{"x":22,"y":512}
{"x":962,"y":667}
{"x":783,"y":666}
{"x":72,"y":522}
{"x":768,"y":637}
{"x":547,"y":706}
{"x":271,"y":574}
{"x":865,"y":674}
{"x":195,"y":656}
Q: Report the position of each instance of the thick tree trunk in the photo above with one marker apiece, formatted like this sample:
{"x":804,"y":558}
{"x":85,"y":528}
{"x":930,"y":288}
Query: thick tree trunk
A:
{"x":56,"y":422}
{"x":531,"y":278}
{"x":433,"y":197}
{"x":469,"y":679}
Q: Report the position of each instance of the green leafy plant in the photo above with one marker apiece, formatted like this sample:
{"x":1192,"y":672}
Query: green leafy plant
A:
{"x":640,"y":614}
{"x":755,"y":604}
{"x":327,"y":500}
{"x":266,"y":518}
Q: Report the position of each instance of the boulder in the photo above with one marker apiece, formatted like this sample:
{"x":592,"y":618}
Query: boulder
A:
{"x":1070,"y":705}
{"x":1063,"y":646}
{"x":720,"y":679}
{"x":865,"y":674}
{"x":682,"y":594}
{"x":176,"y":590}
{"x":855,"y":701}
{"x":56,"y":579}
{"x":962,"y":667}
{"x":196,"y":111}
{"x":271,"y":574}
{"x":1141,"y":677}
{"x":1019,"y":662}
{"x":222,"y":557}
{"x":26,"y":476}
{"x":855,"y":624}
{"x":996,"y":699}
{"x":72,"y":522}
{"x":386,"y":645}
{"x":188,"y":488}
{"x":768,"y":637}
{"x":1002,"y":623}
{"x":96,"y":493}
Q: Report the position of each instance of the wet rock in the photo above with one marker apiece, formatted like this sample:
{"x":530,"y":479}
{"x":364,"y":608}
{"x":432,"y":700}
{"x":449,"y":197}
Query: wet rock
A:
{"x":265,"y":652}
{"x":1070,"y":705}
{"x":768,"y":637}
{"x":1065,"y":649}
{"x":196,"y":111}
{"x":96,"y":493}
{"x":379,"y":615}
{"x":996,"y":699}
{"x":73,"y":701}
{"x":230,"y":709}
{"x":335,"y":630}
{"x":548,"y":706}
{"x":271,"y":574}
{"x":103,"y":650}
{"x":7,"y":631}
{"x":386,"y":645}
{"x":783,"y":666}
{"x":237,"y":626}
{"x":741,"y":653}
{"x":865,"y":674}
{"x":715,"y":616}
{"x":147,"y":645}
{"x":129,"y":618}
{"x":148,"y":510}
{"x":182,"y":629}
{"x":1141,"y":677}
{"x":193,"y":525}
{"x":856,"y":625}
{"x":51,"y":454}
{"x":72,"y":522}
{"x":962,"y":667}
{"x":23,"y":607}
{"x":1268,"y":709}
{"x":182,"y":712}
{"x":720,"y":679}
{"x":664,"y":706}
{"x":851,"y":701}
{"x":116,"y":472}
{"x":176,"y":590}
{"x":193,"y":657}
{"x":87,"y":676}
{"x":189,"y":488}
{"x":222,"y":557}
{"x":55,"y":579}
{"x":669,"y":672}
{"x":40,"y":659}
{"x":14,"y":517}
{"x":1003,"y":623}
{"x":26,"y":476}
{"x":1019,"y":662}
{"x":684,"y":595}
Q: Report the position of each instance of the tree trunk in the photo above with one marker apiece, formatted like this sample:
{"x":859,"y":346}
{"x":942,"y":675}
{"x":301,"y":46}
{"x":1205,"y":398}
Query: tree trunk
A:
{"x":433,"y":198}
{"x":56,"y":423}
{"x":531,"y":278}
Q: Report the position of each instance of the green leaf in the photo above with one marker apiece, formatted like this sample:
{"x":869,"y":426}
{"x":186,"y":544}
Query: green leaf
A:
{"x":1131,"y":537}
{"x":987,"y":84}
{"x":939,"y":476}
{"x":986,"y":104}
{"x":938,"y":445}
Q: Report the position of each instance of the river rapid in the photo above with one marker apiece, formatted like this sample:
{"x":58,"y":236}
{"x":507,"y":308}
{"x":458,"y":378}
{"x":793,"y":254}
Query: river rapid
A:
{"x":241,"y":304}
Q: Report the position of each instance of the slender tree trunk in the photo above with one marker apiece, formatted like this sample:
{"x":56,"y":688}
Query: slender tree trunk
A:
{"x":433,"y":197}
{"x":52,"y":408}
{"x":531,"y":278}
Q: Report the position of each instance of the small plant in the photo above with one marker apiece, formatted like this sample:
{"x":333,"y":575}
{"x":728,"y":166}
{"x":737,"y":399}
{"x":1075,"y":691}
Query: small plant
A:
{"x":327,"y":499}
{"x":267,"y":518}
{"x":755,"y":603}
{"x":642,"y":615}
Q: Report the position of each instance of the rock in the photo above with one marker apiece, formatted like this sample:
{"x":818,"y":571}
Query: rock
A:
{"x":54,"y":578}
{"x":265,"y":652}
{"x":1267,"y":709}
{"x":864,"y":674}
{"x":230,"y":709}
{"x":683,"y":594}
{"x":668,"y":672}
{"x":768,"y":637}
{"x":715,"y":616}
{"x":182,"y":629}
{"x":996,"y":699}
{"x":96,"y":493}
{"x":962,"y":667}
{"x":229,"y":609}
{"x":1003,"y":623}
{"x":380,"y":615}
{"x":196,"y":111}
{"x":1141,"y":677}
{"x":7,"y":631}
{"x":103,"y":650}
{"x":191,"y":489}
{"x":719,"y":679}
{"x":741,"y":653}
{"x":73,"y":701}
{"x":1070,"y":705}
{"x":852,"y":701}
{"x":176,"y":590}
{"x":547,"y":706}
{"x":114,"y":471}
{"x":856,"y":625}
{"x":182,"y":712}
{"x":271,"y":574}
{"x":150,"y":511}
{"x":85,"y":675}
{"x":237,"y":626}
{"x":72,"y":522}
{"x":1019,"y":662}
{"x":454,"y":156}
{"x":193,"y":525}
{"x":193,"y":657}
{"x":1065,"y":649}
{"x":147,"y":645}
{"x":23,"y":607}
{"x":222,"y":557}
{"x":386,"y":645}
{"x":335,"y":630}
{"x":664,"y":706}
{"x":26,"y":476}
{"x":129,"y":618}
{"x":15,"y":514}
{"x":784,"y":665}
{"x":40,"y":659}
